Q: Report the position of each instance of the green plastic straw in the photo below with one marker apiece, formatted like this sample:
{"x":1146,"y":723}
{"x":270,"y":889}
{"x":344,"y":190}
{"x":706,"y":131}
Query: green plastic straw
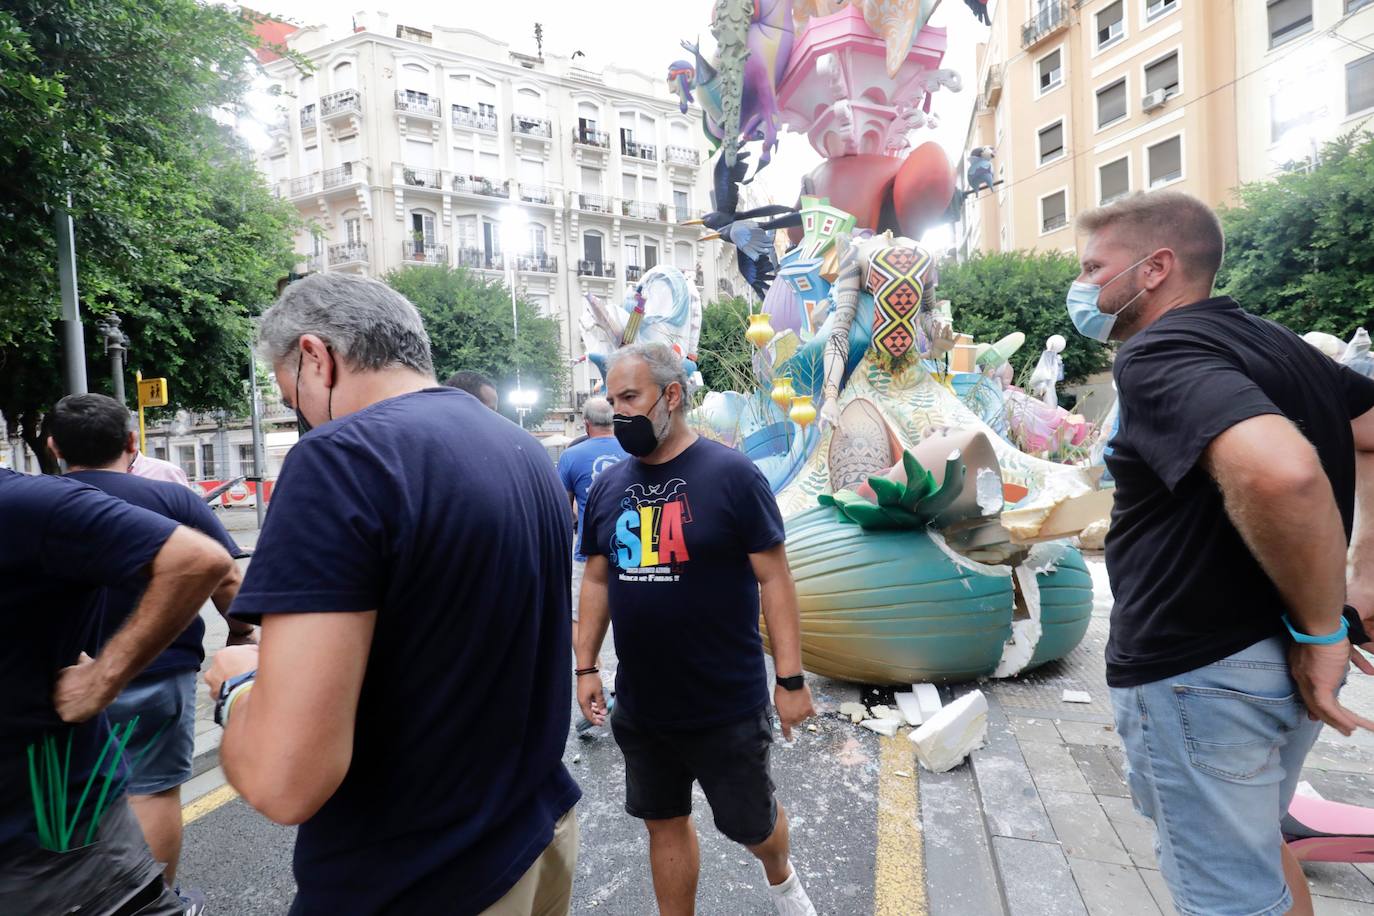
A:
{"x":109,"y":778}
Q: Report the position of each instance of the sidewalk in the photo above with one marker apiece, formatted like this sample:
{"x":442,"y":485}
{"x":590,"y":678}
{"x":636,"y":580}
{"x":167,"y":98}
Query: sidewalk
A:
{"x":1058,"y":833}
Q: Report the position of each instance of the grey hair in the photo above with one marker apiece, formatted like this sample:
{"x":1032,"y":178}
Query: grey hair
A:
{"x":665,"y":365}
{"x":369,"y":324}
{"x":597,"y":412}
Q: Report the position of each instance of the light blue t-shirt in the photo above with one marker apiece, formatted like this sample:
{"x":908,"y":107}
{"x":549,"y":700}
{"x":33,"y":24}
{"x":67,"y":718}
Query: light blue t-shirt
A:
{"x":581,"y":464}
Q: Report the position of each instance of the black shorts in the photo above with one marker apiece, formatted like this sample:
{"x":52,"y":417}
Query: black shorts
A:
{"x":730,"y":761}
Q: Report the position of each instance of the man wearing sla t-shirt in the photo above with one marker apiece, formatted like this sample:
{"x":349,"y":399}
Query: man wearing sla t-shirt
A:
{"x":410,"y":701}
{"x":679,"y":542}
{"x":1236,"y":466}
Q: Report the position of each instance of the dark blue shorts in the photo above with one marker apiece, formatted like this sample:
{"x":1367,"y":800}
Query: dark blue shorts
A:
{"x":730,"y":761}
{"x":164,"y":740}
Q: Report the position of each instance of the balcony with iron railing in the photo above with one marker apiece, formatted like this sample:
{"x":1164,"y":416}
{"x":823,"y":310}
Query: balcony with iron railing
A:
{"x":308,"y":117}
{"x":306,"y":184}
{"x":683,"y":155}
{"x":603,"y":269}
{"x":1050,"y":18}
{"x":643,"y":209}
{"x":424,"y":252}
{"x":595,"y":203}
{"x":633,"y":272}
{"x":636,"y":150}
{"x":480,"y":185}
{"x":536,"y":263}
{"x":588,"y":137}
{"x":347,"y":174}
{"x":537,"y":194}
{"x":347,"y":253}
{"x":416,"y":103}
{"x":343,"y":102}
{"x":477,"y":259}
{"x":530,"y":126}
{"x":421,"y":178}
{"x":992,"y":86}
{"x":462,"y":116}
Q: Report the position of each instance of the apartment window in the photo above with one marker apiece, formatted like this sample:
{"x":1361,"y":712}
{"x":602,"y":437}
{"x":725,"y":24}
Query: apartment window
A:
{"x":1054,"y":212}
{"x":247,"y":465}
{"x":1156,"y":8}
{"x":186,"y":458}
{"x":1288,"y":19}
{"x":207,"y":460}
{"x":1114,"y":180}
{"x":681,"y":210}
{"x":353,"y":231}
{"x":1359,"y":85}
{"x":160,"y":452}
{"x":1051,"y":142}
{"x":1050,"y":70}
{"x":1163,"y":74}
{"x":1165,"y":161}
{"x":1111,"y":25}
{"x":1111,"y":103}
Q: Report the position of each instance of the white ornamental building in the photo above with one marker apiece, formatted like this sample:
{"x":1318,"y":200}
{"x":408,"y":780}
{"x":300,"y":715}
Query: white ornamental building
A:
{"x":409,"y":146}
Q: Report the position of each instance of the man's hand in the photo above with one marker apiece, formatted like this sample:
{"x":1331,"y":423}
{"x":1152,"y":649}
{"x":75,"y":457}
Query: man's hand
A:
{"x":230,"y":663}
{"x":1318,"y":671}
{"x":82,"y":690}
{"x":591,"y":698}
{"x":794,"y":707}
{"x":248,"y":637}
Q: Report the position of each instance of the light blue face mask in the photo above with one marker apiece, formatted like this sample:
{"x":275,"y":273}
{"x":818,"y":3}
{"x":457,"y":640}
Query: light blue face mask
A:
{"x":1090,"y":320}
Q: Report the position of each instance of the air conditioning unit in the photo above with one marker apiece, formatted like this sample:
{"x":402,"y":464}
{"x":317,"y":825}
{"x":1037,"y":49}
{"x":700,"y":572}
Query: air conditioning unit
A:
{"x":1154,"y":100}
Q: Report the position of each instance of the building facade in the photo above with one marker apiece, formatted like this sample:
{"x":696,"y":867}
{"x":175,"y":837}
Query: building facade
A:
{"x":1305,"y":71}
{"x":1087,"y":101}
{"x":408,"y":147}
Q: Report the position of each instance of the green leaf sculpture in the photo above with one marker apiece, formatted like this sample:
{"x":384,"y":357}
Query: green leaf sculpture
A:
{"x":910,"y":505}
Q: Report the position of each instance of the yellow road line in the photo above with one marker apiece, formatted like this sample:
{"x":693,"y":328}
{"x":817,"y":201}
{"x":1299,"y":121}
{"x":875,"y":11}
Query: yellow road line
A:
{"x":210,"y":801}
{"x":899,"y":880}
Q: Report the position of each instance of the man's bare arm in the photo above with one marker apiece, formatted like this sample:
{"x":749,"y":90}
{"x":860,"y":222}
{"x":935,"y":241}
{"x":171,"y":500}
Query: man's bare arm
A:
{"x":1360,"y":589}
{"x":182,"y":575}
{"x":778,"y":593}
{"x":289,"y":740}
{"x":594,"y":618}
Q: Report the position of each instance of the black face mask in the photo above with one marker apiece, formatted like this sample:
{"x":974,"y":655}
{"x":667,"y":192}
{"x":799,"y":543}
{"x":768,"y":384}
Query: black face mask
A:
{"x":303,"y":425}
{"x":637,"y":435}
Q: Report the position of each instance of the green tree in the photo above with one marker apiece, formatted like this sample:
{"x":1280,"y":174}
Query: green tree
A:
{"x":994,"y":294}
{"x":110,"y":105}
{"x":469,"y":323}
{"x":724,"y":355}
{"x":1300,"y":247}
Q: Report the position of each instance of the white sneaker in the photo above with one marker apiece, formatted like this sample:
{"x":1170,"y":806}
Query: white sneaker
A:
{"x":790,"y":897}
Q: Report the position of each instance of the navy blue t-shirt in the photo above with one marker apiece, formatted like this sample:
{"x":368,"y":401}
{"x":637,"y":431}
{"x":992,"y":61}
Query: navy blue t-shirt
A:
{"x":582,"y":463}
{"x":449,"y":521}
{"x":60,"y":543}
{"x":178,"y":503}
{"x":684,"y":599}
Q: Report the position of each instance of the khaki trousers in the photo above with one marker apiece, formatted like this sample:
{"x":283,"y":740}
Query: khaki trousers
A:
{"x":545,"y":889}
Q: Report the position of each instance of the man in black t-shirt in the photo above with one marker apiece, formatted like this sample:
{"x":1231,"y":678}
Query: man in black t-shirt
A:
{"x":1237,"y":460}
{"x":94,"y":435}
{"x":679,"y":542}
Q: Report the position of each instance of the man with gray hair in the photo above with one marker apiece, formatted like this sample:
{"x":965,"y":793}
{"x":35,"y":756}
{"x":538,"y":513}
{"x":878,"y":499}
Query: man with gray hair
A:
{"x":695,"y":536}
{"x":1237,"y":462}
{"x":578,"y":467}
{"x":412,"y":584}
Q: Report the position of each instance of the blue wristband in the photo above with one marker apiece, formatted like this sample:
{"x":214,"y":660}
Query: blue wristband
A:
{"x":1329,"y":639}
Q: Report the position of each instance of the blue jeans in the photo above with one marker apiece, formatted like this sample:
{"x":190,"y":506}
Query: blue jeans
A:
{"x":1213,"y":758}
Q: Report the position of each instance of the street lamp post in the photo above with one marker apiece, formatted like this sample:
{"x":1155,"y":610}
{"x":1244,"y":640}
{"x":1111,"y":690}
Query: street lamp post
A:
{"x":116,"y":345}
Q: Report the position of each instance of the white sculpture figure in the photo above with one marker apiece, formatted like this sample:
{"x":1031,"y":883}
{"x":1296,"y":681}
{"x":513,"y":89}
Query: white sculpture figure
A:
{"x":1049,"y":371}
{"x":1357,"y":355}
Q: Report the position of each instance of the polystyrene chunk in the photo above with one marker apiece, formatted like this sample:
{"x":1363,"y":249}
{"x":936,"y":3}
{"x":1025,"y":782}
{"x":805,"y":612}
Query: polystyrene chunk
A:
{"x":910,"y":708}
{"x":928,"y":695}
{"x":886,"y":727}
{"x":1077,"y":696}
{"x":883,"y":712}
{"x":946,"y":738}
{"x":857,"y":712}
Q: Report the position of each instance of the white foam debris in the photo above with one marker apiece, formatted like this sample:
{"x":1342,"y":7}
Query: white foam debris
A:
{"x":947,"y":737}
{"x":857,"y":712}
{"x":886,"y":727}
{"x":1077,"y":696}
{"x":928,"y":695}
{"x":883,"y":712}
{"x":910,"y":707}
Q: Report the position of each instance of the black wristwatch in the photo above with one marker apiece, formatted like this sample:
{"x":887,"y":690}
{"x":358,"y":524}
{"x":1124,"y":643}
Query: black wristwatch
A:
{"x":795,"y":682}
{"x":1355,"y":631}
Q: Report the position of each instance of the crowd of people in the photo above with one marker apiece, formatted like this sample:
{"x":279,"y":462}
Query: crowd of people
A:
{"x":417,"y":583}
